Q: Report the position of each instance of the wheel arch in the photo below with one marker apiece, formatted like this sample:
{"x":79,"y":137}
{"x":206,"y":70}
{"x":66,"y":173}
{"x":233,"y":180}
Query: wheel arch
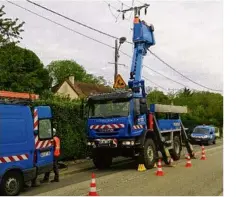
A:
{"x":14,"y":169}
{"x":149,"y":134}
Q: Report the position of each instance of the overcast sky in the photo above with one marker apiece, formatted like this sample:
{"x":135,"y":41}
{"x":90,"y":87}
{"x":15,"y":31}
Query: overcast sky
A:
{"x":189,"y":36}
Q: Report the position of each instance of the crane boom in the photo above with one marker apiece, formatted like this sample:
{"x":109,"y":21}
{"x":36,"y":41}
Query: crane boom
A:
{"x":143,"y":38}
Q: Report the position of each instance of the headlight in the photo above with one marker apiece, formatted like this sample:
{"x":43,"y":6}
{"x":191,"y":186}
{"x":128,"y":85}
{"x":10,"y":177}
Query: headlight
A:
{"x":128,"y":143}
{"x":205,"y":136}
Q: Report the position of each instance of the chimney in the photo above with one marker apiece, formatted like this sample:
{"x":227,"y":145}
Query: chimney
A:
{"x":72,"y":79}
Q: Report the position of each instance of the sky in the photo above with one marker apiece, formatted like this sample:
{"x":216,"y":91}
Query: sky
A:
{"x":188,"y":34}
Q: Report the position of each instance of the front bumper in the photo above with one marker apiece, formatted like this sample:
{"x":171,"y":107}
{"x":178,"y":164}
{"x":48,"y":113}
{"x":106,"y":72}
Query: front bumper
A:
{"x":199,"y":140}
{"x":113,"y":143}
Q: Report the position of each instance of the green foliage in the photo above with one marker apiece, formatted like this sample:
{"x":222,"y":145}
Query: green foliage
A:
{"x":21,"y":70}
{"x":70,"y":126}
{"x":9,"y":29}
{"x":203,"y":107}
{"x":158,"y":97}
{"x":68,"y":116}
{"x":62,"y":69}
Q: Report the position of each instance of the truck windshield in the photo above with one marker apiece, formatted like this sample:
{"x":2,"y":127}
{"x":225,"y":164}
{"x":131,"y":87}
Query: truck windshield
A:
{"x":109,"y":109}
{"x":201,"y":130}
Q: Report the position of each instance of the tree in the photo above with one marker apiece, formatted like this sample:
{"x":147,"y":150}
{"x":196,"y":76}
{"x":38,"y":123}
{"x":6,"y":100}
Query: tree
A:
{"x":9,"y":29}
{"x":62,"y":69}
{"x":157,"y":97}
{"x":21,"y":70}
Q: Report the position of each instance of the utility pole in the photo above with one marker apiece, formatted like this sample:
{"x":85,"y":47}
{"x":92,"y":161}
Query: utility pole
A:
{"x":116,"y":60}
{"x":117,"y":47}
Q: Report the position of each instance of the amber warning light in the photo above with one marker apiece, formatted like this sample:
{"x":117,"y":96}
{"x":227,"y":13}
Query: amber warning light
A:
{"x":18,"y":95}
{"x":136,"y":20}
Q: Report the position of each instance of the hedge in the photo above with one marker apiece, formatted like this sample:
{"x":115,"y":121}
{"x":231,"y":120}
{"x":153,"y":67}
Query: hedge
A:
{"x":70,"y":125}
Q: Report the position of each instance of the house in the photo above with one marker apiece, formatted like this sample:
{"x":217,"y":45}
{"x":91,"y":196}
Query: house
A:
{"x":75,"y":89}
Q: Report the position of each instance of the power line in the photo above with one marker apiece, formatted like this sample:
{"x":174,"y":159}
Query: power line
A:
{"x":155,"y":71}
{"x":164,"y":76}
{"x":102,"y":42}
{"x":61,"y":25}
{"x":109,"y":35}
{"x":123,"y":3}
{"x":74,"y":32}
{"x":77,"y":22}
{"x":155,"y":83}
{"x":110,"y":6}
{"x":181,"y":73}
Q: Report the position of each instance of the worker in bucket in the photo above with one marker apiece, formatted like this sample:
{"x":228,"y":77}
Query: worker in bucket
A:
{"x":56,"y":142}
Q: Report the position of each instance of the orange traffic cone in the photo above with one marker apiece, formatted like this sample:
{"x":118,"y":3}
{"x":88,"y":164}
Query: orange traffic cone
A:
{"x":188,"y":164}
{"x":93,"y":190}
{"x":203,"y":154}
{"x":159,"y":171}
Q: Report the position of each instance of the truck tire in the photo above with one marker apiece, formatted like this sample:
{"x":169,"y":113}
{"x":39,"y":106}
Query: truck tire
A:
{"x":102,"y":160}
{"x":177,"y":147}
{"x":148,"y":153}
{"x":12,"y":184}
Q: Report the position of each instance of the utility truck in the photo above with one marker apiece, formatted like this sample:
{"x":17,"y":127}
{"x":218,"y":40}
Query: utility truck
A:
{"x":120,"y":123}
{"x":26,"y":150}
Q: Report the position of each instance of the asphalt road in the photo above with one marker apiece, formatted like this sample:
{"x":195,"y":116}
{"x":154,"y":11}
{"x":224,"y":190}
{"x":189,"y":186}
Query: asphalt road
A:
{"x":205,"y":178}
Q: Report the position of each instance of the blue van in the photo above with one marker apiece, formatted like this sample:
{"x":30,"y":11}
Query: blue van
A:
{"x":203,"y":134}
{"x":25,"y":145}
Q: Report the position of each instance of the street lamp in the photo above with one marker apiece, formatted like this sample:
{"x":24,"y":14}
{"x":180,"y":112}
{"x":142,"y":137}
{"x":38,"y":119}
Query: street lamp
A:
{"x":121,"y":41}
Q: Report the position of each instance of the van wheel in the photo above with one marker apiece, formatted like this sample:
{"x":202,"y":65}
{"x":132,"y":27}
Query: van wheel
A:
{"x":12,"y":184}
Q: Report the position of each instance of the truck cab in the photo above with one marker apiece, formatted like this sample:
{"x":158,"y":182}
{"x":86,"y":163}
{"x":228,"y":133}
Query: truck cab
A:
{"x":25,"y":142}
{"x":203,"y":134}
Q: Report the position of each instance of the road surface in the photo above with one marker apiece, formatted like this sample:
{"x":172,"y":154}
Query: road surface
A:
{"x":205,"y":178}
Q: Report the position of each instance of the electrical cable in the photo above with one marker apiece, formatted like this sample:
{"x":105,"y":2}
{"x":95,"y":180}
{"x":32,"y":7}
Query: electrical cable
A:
{"x":125,"y":41}
{"x":68,"y":28}
{"x":98,"y":42}
{"x":72,"y":20}
{"x":181,"y":73}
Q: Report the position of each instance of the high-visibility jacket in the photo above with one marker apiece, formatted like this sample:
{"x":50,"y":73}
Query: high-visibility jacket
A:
{"x":56,"y":146}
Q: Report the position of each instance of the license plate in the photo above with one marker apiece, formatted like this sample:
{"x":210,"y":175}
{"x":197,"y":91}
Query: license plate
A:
{"x":45,"y":154}
{"x":104,"y":141}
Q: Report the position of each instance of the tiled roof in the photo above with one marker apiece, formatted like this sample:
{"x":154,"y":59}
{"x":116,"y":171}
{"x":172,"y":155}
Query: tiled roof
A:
{"x":84,"y":89}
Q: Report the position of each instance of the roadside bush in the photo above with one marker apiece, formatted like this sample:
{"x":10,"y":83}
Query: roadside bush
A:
{"x":70,"y":125}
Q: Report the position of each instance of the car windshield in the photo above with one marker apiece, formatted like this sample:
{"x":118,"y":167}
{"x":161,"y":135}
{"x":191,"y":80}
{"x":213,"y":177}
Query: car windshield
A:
{"x":201,"y":130}
{"x":109,"y":109}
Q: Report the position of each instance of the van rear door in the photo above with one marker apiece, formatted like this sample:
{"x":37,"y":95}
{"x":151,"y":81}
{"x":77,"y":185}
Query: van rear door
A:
{"x":43,"y":139}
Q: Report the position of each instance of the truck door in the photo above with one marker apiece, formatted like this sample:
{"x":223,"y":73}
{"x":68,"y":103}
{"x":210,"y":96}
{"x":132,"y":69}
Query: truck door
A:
{"x":43,"y":139}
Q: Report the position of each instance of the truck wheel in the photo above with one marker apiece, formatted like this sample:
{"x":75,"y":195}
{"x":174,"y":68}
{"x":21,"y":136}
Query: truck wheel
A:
{"x":177,"y":147}
{"x":149,"y":153}
{"x":12,"y":184}
{"x":102,"y":160}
